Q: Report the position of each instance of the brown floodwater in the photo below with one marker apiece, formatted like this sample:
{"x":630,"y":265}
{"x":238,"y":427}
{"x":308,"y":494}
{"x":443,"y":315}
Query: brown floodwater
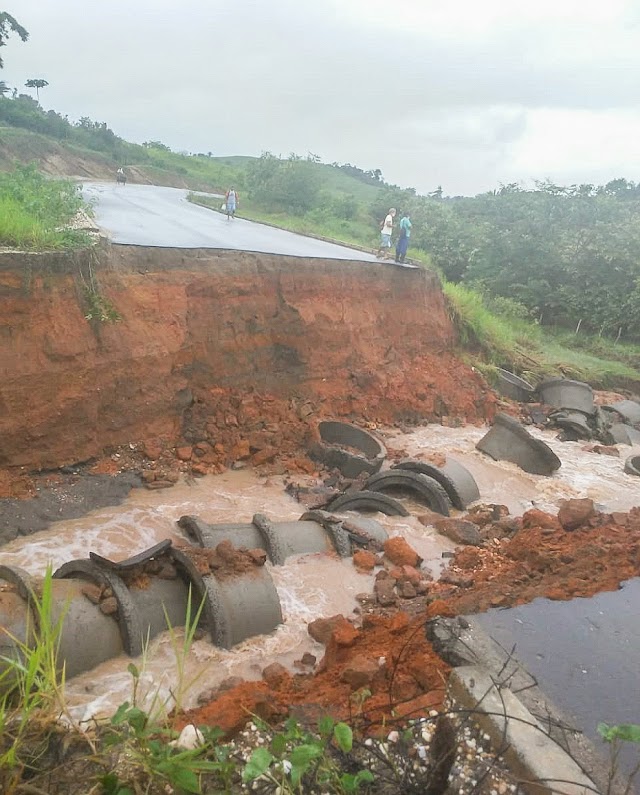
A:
{"x":309,"y":586}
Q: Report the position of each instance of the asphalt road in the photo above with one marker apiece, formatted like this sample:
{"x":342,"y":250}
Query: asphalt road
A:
{"x":147,"y":215}
{"x":583,"y":653}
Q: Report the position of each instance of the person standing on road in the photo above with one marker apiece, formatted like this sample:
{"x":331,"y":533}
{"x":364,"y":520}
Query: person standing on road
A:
{"x":386,"y":232}
{"x":403,"y":240}
{"x":231,"y":200}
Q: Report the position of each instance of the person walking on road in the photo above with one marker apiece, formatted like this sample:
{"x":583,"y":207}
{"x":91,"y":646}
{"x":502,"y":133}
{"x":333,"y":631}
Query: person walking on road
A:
{"x":386,"y":231}
{"x":231,"y":201}
{"x":403,"y":240}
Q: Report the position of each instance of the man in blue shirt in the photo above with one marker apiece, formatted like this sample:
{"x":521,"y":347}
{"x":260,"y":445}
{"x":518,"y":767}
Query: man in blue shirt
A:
{"x":403,"y":240}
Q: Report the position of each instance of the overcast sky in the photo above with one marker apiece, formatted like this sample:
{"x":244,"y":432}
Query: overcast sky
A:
{"x":460,"y":93}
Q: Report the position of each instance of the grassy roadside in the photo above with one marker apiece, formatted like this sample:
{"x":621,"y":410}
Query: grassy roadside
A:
{"x":36,"y":213}
{"x":502,"y":340}
{"x":314,"y":224}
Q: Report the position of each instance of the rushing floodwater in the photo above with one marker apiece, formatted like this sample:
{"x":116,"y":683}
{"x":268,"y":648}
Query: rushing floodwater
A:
{"x":147,"y":517}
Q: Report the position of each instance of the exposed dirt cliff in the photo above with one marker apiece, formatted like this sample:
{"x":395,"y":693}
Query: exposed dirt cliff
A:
{"x":216,"y":346}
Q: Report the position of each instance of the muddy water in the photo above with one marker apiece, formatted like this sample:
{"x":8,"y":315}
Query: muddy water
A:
{"x":308,"y":587}
{"x":582,"y":474}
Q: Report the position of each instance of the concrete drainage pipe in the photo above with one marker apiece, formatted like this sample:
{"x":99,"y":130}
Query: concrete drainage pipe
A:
{"x":348,"y":448}
{"x":426,"y":488}
{"x":454,"y":478}
{"x":632,"y":465}
{"x":313,"y":533}
{"x":368,"y":501}
{"x":507,"y":440}
{"x":562,"y":393}
{"x":107,"y":608}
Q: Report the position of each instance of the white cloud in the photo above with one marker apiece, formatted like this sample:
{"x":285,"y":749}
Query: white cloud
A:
{"x":464,"y":94}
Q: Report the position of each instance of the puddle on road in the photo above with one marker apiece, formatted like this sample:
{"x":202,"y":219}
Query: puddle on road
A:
{"x":310,"y":586}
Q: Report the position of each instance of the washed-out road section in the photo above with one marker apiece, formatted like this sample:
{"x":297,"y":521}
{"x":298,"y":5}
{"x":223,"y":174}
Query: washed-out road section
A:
{"x":148,"y":215}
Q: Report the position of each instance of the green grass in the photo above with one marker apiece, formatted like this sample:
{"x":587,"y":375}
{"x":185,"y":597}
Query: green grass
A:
{"x":535,"y":352}
{"x":35,"y":212}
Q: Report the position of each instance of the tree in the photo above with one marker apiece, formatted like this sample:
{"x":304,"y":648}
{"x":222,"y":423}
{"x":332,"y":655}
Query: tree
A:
{"x":4,"y":88}
{"x":36,"y":83}
{"x":9,"y":25}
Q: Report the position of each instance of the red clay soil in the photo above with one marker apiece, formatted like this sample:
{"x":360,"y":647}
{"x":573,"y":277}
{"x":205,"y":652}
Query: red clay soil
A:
{"x":389,"y":656}
{"x":544,"y":560}
{"x":222,"y":349}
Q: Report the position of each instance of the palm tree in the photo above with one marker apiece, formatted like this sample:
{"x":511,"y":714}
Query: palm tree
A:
{"x":4,"y":88}
{"x":36,"y":83}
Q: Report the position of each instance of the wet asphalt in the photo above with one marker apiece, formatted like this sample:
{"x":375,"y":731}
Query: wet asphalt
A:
{"x":149,"y":215}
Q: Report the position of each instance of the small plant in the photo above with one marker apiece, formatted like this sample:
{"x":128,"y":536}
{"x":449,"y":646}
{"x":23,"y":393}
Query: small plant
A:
{"x":297,"y":759}
{"x":33,"y":685}
{"x":100,"y":308}
{"x":617,"y":735}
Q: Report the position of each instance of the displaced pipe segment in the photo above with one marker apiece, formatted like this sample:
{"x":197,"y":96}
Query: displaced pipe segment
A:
{"x":562,"y":393}
{"x":424,"y":487}
{"x":514,"y":387}
{"x":314,"y":532}
{"x":455,"y":479}
{"x":368,"y":501}
{"x":348,"y":448}
{"x":507,"y":440}
{"x":108,"y":607}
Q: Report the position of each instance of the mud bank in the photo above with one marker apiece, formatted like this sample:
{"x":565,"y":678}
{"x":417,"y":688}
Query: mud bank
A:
{"x":214,"y":346}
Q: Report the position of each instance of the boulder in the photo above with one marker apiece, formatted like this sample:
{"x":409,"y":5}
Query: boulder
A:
{"x":460,"y":531}
{"x":575,"y":513}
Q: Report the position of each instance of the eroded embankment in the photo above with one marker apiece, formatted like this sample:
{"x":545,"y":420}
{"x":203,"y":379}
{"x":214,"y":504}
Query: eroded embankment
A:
{"x":233,"y":351}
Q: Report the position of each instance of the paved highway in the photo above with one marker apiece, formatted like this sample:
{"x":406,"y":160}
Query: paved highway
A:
{"x":147,"y":215}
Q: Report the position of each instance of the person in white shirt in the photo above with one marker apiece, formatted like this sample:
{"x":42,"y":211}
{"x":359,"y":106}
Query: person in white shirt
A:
{"x":386,"y":232}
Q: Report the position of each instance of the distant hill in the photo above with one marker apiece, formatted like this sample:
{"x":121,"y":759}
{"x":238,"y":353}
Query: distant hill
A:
{"x":89,"y":150}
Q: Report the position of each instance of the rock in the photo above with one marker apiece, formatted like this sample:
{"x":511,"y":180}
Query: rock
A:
{"x":575,"y":513}
{"x":152,"y":450}
{"x":184,"y":453}
{"x":241,"y":450}
{"x":602,"y":449}
{"x":109,"y":606}
{"x":459,"y":531}
{"x":429,"y":518}
{"x":275,"y":675}
{"x":411,"y":574}
{"x":537,"y":518}
{"x":482,"y":515}
{"x":406,"y":590}
{"x":360,"y":672}
{"x":308,"y":659}
{"x":364,"y":560}
{"x":226,"y":551}
{"x":385,"y":592}
{"x":189,"y":739}
{"x":422,"y":587}
{"x":398,"y":551}
{"x":148,"y":475}
{"x":459,"y":580}
{"x":92,"y":592}
{"x":264,"y":456}
{"x":159,"y":484}
{"x":365,"y":598}
{"x":322,"y":628}
{"x":345,"y":634}
{"x":399,"y":622}
{"x":258,"y":556}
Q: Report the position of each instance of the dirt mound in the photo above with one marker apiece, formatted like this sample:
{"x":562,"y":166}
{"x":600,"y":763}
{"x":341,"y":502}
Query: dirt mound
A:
{"x":386,"y":668}
{"x":544,"y":560}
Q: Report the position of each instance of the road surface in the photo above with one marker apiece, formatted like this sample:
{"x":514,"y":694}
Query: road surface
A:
{"x":147,"y":215}
{"x":583,"y":653}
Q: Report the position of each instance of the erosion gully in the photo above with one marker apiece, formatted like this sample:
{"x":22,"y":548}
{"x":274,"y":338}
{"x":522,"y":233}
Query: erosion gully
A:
{"x":310,"y":586}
